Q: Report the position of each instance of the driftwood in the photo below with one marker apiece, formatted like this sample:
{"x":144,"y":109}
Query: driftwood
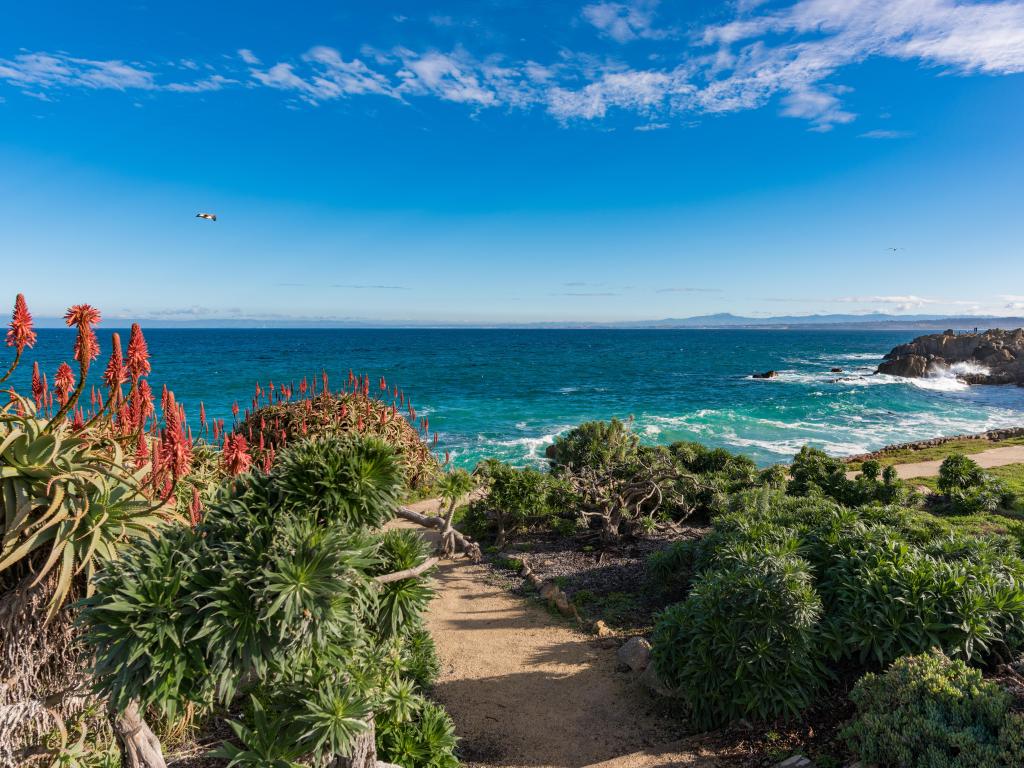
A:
{"x":408,"y":573}
{"x":468,"y":547}
{"x":140,"y":747}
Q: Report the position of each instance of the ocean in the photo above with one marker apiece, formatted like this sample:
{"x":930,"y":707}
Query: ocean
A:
{"x":508,"y":393}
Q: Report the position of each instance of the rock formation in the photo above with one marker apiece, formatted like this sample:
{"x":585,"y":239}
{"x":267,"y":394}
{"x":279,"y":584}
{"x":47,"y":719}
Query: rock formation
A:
{"x":994,"y":357}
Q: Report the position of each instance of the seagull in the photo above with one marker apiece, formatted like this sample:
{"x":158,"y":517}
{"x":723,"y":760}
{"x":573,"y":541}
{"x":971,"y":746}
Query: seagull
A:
{"x":210,"y":216}
{"x":888,"y":249}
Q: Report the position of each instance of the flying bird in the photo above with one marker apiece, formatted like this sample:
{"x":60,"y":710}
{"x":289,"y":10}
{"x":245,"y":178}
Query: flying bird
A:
{"x":210,"y":216}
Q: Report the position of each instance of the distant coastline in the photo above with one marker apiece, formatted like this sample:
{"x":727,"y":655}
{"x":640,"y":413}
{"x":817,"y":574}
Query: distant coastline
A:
{"x":721,"y":321}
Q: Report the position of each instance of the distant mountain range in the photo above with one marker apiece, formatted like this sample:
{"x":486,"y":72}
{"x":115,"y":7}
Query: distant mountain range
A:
{"x":876,"y":321}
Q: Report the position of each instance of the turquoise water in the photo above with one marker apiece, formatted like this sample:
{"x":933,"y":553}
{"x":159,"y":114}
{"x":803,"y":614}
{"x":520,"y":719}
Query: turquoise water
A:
{"x":508,"y":393}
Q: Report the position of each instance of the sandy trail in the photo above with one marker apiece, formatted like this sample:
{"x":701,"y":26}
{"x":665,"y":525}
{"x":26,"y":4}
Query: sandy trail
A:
{"x":525,"y":689}
{"x":993,"y":457}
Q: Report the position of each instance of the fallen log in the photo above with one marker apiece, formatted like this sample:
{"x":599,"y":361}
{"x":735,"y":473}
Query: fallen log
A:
{"x":408,"y":573}
{"x":466,"y":545}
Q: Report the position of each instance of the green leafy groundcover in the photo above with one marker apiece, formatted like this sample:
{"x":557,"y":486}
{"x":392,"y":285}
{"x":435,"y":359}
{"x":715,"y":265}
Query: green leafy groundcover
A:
{"x":272,"y":602}
{"x":930,"y":711}
{"x":782,"y":583}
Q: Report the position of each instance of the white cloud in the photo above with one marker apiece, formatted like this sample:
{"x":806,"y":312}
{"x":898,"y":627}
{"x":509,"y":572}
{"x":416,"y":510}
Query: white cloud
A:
{"x":331,"y":77}
{"x":651,"y":127}
{"x":791,"y":55}
{"x":884,"y":134}
{"x":46,"y":70}
{"x":211,"y":83}
{"x":624,"y":22}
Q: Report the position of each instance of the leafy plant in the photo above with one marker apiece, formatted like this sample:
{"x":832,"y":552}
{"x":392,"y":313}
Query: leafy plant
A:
{"x":744,"y":643}
{"x":273,"y":596}
{"x":930,"y":711}
{"x":595,"y":445}
{"x":517,"y":499}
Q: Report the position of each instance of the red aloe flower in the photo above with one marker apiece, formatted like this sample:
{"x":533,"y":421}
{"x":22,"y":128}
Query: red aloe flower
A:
{"x":38,"y":387}
{"x":202,"y":414}
{"x":20,"y":334}
{"x":138,"y":354}
{"x":114,"y":376}
{"x":141,"y":404}
{"x":236,"y":455}
{"x":63,"y":383}
{"x":195,"y":510}
{"x":84,"y":317}
{"x":78,"y":421}
{"x":234,"y":409}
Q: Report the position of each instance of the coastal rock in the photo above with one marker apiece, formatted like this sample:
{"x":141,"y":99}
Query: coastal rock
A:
{"x":835,"y":370}
{"x":635,"y":654}
{"x":907,"y":366}
{"x":991,"y":357}
{"x":649,"y":678}
{"x":796,"y":761}
{"x":765,"y":375}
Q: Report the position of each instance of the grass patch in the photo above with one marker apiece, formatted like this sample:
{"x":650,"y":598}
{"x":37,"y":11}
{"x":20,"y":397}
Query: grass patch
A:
{"x":937,"y":452}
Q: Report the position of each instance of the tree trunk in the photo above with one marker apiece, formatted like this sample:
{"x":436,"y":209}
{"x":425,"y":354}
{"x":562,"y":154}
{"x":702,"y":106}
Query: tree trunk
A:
{"x":140,"y":748}
{"x":447,"y":532}
{"x":468,"y":546}
{"x":364,"y":751}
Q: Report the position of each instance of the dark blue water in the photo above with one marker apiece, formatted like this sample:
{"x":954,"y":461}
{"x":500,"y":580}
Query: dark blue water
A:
{"x":507,"y":393}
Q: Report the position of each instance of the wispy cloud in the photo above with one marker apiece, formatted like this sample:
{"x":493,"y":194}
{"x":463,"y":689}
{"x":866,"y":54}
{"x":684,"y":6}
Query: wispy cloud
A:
{"x":689,"y":290}
{"x":791,"y":55}
{"x":884,"y":134}
{"x":624,"y":22}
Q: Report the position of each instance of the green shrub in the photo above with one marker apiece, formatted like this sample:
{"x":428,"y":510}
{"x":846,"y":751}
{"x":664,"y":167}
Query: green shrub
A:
{"x":341,"y":480}
{"x":813,"y":472}
{"x":743,"y":644}
{"x":595,"y":445}
{"x":970,"y":490}
{"x":426,"y":739}
{"x":930,"y":711}
{"x":886,"y":598}
{"x":274,"y":597}
{"x":518,"y":499}
{"x":959,"y":473}
{"x":670,"y":571}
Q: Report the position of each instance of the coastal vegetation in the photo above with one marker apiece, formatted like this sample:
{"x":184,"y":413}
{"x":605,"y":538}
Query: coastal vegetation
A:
{"x":768,"y":591}
{"x":149,"y":577}
{"x":232,"y":594}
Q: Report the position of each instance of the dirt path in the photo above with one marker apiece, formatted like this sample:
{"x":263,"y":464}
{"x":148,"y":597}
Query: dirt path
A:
{"x":993,"y":457}
{"x":526,"y":689}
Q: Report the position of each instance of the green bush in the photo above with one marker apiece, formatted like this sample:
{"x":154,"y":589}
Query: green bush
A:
{"x":959,"y":473}
{"x":930,"y":711}
{"x":670,"y":571}
{"x":743,"y":644}
{"x":595,"y":445}
{"x":273,"y":599}
{"x":813,"y":472}
{"x":969,"y":489}
{"x":886,"y":598}
{"x":518,"y":499}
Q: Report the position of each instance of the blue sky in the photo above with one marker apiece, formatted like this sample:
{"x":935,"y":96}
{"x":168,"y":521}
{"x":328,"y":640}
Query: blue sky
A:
{"x":511,"y":160}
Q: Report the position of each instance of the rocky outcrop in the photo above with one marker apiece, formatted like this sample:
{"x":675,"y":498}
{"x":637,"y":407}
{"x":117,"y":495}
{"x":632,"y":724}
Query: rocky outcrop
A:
{"x":765,"y":375}
{"x":992,"y":357}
